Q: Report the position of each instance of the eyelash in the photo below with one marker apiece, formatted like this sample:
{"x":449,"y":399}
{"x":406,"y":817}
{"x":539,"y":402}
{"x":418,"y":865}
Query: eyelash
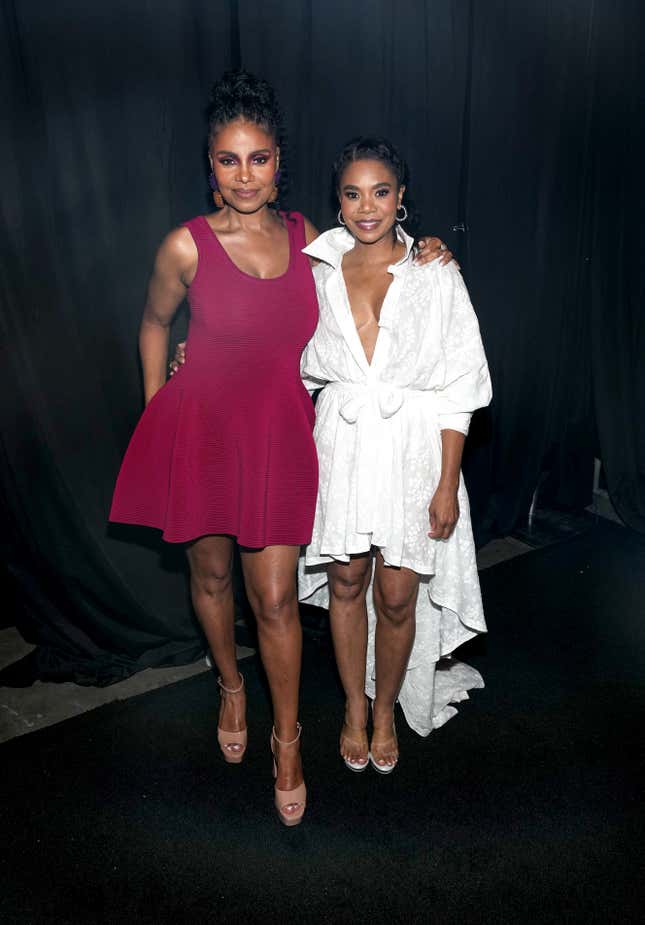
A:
{"x":260,"y":161}
{"x":381,"y":193}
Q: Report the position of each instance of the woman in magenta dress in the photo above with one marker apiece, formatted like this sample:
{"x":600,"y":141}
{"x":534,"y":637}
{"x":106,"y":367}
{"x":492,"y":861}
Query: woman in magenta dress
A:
{"x":224,"y":451}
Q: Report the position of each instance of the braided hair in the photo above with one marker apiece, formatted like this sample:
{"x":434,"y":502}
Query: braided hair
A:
{"x":370,"y":148}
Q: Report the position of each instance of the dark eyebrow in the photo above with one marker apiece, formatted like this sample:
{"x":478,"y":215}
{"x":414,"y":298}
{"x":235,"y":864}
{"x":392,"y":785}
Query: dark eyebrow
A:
{"x":376,"y":185}
{"x":253,"y":153}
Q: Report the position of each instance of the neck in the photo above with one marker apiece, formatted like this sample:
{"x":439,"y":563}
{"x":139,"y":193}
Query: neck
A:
{"x":243,"y":221}
{"x":382,"y":251}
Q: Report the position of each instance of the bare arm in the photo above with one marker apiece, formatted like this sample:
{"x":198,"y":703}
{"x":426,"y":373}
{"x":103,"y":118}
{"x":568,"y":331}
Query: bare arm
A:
{"x":311,"y":233}
{"x":444,"y":507}
{"x":174,"y":266}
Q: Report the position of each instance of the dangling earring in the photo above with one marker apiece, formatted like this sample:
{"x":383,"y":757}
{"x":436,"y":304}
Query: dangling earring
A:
{"x":405,"y":213}
{"x":218,"y":199}
{"x":276,"y":181}
{"x":339,"y":217}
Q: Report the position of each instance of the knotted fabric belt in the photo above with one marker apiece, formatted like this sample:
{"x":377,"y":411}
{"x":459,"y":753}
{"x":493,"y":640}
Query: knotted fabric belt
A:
{"x":373,"y":408}
{"x":388,"y":400}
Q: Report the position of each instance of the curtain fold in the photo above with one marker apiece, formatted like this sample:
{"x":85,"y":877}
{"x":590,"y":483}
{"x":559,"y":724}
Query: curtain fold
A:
{"x":104,"y":156}
{"x":521,"y":123}
{"x":615,"y":252}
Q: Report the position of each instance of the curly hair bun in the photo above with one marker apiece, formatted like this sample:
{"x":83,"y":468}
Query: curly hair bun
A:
{"x":239,"y":94}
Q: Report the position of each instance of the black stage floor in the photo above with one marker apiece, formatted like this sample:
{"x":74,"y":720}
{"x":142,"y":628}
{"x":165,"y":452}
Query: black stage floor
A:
{"x":526,"y":807}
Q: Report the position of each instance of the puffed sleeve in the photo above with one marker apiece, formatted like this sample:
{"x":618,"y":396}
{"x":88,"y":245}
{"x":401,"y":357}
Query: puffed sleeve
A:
{"x":466,"y":380}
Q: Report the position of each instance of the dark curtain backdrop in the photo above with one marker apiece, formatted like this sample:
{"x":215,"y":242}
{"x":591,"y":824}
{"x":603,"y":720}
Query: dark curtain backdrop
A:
{"x":523,"y":127}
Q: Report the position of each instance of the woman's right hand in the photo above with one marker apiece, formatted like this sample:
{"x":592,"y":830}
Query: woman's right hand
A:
{"x":443,"y":512}
{"x":179,"y":358}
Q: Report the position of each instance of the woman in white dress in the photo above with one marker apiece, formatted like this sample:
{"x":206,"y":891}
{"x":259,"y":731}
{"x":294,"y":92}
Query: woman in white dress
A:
{"x":398,"y":351}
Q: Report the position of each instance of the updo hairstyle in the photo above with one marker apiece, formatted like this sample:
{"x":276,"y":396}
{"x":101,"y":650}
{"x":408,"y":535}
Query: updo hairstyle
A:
{"x":370,"y":148}
{"x":238,"y":94}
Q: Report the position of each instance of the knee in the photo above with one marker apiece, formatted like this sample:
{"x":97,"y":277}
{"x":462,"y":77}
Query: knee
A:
{"x":275,"y":606}
{"x":212,"y":581}
{"x":346,"y":589}
{"x":394,"y":605}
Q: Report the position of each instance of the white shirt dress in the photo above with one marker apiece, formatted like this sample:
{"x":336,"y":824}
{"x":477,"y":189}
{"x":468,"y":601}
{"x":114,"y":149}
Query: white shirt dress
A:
{"x":378,"y":436}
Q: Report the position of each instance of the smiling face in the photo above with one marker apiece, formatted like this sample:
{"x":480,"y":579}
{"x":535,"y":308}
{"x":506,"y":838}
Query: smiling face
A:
{"x":244,"y":158}
{"x":369,"y":197}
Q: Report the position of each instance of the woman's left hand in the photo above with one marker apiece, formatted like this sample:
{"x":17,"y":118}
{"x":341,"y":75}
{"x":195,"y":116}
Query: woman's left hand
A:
{"x":444,"y":513}
{"x":179,"y":358}
{"x":432,"y":248}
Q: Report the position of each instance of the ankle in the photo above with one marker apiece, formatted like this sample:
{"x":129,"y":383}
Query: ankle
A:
{"x":356,"y":701}
{"x":382,"y":713}
{"x":356,"y":706}
{"x":287,"y":734}
{"x":232,"y":683}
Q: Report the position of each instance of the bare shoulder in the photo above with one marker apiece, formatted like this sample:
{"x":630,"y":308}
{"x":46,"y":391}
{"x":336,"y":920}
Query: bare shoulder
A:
{"x":177,"y":252}
{"x":178,"y":245}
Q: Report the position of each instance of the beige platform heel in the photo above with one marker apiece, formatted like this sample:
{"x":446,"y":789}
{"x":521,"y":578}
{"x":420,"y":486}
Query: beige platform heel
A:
{"x":232,"y":744}
{"x":290,"y":804}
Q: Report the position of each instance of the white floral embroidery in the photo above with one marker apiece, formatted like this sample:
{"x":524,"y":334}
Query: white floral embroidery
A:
{"x":378,"y":435}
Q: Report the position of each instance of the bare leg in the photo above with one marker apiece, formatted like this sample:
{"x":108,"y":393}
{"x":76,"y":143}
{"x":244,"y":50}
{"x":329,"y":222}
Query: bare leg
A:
{"x":270,"y":578}
{"x":395,"y":597}
{"x":348,"y":583}
{"x":210,"y":559}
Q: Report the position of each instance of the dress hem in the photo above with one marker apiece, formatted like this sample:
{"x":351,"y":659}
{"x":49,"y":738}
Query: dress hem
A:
{"x":175,"y":539}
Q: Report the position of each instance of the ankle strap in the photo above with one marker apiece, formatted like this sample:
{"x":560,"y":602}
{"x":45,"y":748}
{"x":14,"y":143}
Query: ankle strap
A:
{"x":292,"y":742}
{"x":230,"y":690}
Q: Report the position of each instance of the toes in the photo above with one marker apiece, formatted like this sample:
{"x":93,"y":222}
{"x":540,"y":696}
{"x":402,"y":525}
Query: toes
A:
{"x":387,"y":760}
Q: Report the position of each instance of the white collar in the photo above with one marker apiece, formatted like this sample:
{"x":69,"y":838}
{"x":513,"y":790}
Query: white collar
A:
{"x":331,"y":246}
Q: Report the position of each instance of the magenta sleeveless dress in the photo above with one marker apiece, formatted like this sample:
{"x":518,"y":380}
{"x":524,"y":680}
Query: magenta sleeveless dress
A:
{"x":226,"y":445}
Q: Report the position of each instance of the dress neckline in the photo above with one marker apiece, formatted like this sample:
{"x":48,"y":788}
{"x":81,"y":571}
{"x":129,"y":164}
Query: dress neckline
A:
{"x":261,"y":279}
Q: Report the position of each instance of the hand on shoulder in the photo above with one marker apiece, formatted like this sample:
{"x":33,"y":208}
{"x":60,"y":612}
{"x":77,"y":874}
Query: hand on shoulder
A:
{"x":433,"y":250}
{"x":446,"y":272}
